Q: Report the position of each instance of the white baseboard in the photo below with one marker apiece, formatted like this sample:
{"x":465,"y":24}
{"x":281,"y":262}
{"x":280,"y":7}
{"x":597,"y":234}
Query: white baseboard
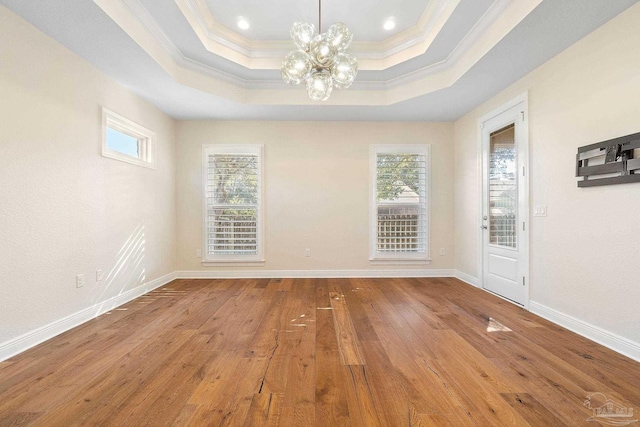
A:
{"x":608,"y":339}
{"x":467,"y":278}
{"x":32,"y":338}
{"x":270,"y":274}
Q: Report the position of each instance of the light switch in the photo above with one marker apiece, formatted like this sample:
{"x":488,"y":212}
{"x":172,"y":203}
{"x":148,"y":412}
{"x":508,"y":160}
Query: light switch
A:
{"x":540,"y":210}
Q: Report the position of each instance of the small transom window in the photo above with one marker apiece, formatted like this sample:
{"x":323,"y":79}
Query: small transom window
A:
{"x":125,"y":140}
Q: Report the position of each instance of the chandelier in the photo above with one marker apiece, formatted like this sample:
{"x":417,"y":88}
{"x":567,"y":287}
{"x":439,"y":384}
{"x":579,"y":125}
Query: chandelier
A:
{"x":320,"y":59}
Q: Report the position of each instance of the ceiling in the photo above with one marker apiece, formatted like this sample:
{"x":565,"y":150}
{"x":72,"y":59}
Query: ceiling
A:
{"x":442,"y":59}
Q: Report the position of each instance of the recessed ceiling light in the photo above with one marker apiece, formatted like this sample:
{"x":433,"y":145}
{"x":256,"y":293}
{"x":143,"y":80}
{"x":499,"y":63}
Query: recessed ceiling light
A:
{"x":243,"y":24}
{"x":389,"y":24}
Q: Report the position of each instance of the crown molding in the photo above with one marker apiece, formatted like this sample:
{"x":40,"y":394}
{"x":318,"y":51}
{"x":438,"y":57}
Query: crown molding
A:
{"x":138,"y":23}
{"x":267,"y":55}
{"x":410,"y":43}
{"x":480,"y":27}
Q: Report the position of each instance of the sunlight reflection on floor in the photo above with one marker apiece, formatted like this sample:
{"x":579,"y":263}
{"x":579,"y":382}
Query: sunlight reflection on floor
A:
{"x":495,"y":326}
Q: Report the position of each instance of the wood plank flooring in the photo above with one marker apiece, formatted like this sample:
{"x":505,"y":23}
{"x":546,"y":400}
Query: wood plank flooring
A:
{"x":305,"y":352}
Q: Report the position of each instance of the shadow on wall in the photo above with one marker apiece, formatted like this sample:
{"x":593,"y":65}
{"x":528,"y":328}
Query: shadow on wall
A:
{"x":129,"y":271}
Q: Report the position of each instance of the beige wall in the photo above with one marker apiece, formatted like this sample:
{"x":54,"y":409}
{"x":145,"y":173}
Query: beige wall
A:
{"x":65,"y":209}
{"x":585,"y":255}
{"x":316,"y":189}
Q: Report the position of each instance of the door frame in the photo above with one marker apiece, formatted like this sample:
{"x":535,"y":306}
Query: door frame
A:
{"x":523,"y":204}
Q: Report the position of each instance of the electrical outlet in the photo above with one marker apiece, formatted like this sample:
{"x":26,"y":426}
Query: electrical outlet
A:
{"x":442,"y":252}
{"x":79,"y":280}
{"x":199,"y":253}
{"x":99,"y":276}
{"x":307,"y":252}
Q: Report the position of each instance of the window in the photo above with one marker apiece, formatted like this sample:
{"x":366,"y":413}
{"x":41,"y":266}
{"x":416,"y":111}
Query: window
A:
{"x":232,"y":203}
{"x":125,"y":140}
{"x":399,"y":203}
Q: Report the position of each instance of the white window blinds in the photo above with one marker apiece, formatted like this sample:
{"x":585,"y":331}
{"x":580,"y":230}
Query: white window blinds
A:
{"x":233,"y":199}
{"x":400,"y":217}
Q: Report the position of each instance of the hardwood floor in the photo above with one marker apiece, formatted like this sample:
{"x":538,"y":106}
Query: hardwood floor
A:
{"x":303,"y":352}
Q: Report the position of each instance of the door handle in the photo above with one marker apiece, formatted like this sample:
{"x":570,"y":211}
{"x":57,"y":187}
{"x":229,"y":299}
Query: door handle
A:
{"x":484,"y":227}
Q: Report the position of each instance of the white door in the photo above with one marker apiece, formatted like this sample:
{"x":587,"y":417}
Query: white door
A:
{"x":504,"y":221}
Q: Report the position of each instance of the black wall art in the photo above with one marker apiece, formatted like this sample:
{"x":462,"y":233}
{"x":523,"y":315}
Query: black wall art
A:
{"x":616,"y":161}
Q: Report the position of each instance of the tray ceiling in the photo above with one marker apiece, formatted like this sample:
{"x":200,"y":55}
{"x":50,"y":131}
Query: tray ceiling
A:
{"x":443,"y":57}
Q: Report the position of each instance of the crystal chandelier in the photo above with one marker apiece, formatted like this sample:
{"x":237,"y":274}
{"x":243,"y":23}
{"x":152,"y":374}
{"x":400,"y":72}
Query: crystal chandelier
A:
{"x":320,"y":58}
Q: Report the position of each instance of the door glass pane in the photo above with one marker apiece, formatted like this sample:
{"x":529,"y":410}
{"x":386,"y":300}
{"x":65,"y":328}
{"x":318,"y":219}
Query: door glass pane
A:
{"x":503,"y":190}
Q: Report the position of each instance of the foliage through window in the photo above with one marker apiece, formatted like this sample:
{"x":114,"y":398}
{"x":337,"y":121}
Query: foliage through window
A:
{"x":399,"y":217}
{"x":233,"y":203}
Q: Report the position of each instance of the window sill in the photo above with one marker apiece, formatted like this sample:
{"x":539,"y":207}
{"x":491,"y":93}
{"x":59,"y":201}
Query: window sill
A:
{"x":232,"y":263}
{"x":127,"y":159}
{"x":399,"y":261}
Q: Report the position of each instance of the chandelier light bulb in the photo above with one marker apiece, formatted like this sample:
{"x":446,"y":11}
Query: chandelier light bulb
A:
{"x":339,"y":36}
{"x":296,"y":67}
{"x":302,"y":33}
{"x":319,"y":85}
{"x":344,"y":70}
{"x":322,"y":51}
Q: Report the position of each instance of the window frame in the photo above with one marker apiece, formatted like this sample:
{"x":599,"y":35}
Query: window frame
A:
{"x":146,"y":139}
{"x":376,"y":257}
{"x":257,"y":259}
